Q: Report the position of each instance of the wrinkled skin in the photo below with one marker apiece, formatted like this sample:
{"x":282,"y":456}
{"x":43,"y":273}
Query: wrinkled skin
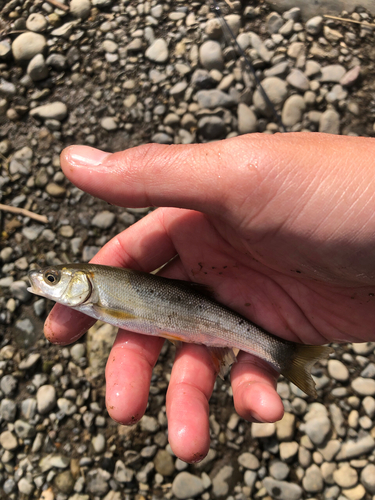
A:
{"x":282,"y":227}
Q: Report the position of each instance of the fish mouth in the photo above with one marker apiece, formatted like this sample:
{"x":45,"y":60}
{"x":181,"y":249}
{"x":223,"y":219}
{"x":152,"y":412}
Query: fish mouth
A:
{"x":33,"y":278}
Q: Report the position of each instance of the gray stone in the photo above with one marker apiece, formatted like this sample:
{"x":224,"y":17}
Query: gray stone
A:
{"x":29,"y":362}
{"x":287,"y":29}
{"x":351,"y":76}
{"x":330,"y":450}
{"x":25,"y":487}
{"x":54,"y":110}
{"x":110,"y":46}
{"x":314,"y":25}
{"x":249,"y":461}
{"x":27,"y":45}
{"x":363,"y":386}
{"x":332,"y":73}
{"x":162,"y":138}
{"x":313,"y":481}
{"x":318,"y":429}
{"x":64,"y":482}
{"x":368,"y":478}
{"x":274,"y":22}
{"x":186,"y":485}
{"x":178,"y":90}
{"x":234,"y":22}
{"x":298,"y":80}
{"x":282,"y":490}
{"x":293,"y":110}
{"x":368,"y":371}
{"x":7,"y":89}
{"x":214,"y":98}
{"x":158,"y":51}
{"x":164,"y":464}
{"x":37,"y":68}
{"x":220,"y":486}
{"x":46,"y":398}
{"x":18,"y":289}
{"x":279,"y":470}
{"x":8,"y":440}
{"x":149,"y":424}
{"x":8,"y":410}
{"x":80,"y":8}
{"x":66,"y":406}
{"x":288,"y":450}
{"x":32,"y":232}
{"x":369,"y":406}
{"x":338,"y":419}
{"x":337,"y":370}
{"x":109,"y":123}
{"x":97,"y":482}
{"x":363,"y":348}
{"x":312,"y":68}
{"x":260,"y":47}
{"x":279,"y":69}
{"x":212,"y":127}
{"x":104,"y":220}
{"x":8,"y":385}
{"x":28,"y":408}
{"x":56,"y":61}
{"x":345,"y":476}
{"x":275,"y":88}
{"x":329,"y":122}
{"x":247,"y":120}
{"x":210,"y":55}
{"x":24,"y":430}
{"x":123,"y":474}
{"x":55,"y":190}
{"x":98,"y":442}
{"x":21,"y":161}
{"x":263,"y":430}
{"x":353,"y":449}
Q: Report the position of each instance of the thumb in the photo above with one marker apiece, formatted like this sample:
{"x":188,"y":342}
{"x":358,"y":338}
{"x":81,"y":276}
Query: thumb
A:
{"x":198,"y":176}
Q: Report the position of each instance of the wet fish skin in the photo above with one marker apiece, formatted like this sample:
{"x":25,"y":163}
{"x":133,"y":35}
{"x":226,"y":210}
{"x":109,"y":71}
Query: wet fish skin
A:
{"x":173,"y":309}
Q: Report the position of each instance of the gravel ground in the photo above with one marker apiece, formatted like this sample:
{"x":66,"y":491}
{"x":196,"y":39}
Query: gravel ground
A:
{"x":118,"y":74}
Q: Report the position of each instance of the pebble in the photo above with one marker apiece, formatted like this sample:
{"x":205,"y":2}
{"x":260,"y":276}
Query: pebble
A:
{"x":363,"y":386}
{"x":8,"y":440}
{"x":317,"y":429}
{"x":282,"y":490}
{"x":345,"y":476}
{"x":279,"y":470}
{"x":25,"y":487}
{"x":164,"y":463}
{"x":186,"y":485}
{"x":104,"y":220}
{"x":220,"y":485}
{"x":368,"y":478}
{"x":80,"y":8}
{"x":332,"y":73}
{"x":18,"y":289}
{"x":36,"y":22}
{"x":27,"y":45}
{"x":293,"y":110}
{"x":8,"y":410}
{"x":123,"y":474}
{"x":29,"y":362}
{"x":313,"y":480}
{"x":263,"y":430}
{"x":351,"y":76}
{"x":8,"y":385}
{"x":356,"y":493}
{"x":276,"y":90}
{"x":298,"y":79}
{"x":354,"y":449}
{"x":329,"y":122}
{"x":210,"y":55}
{"x":64,"y":482}
{"x":46,"y":398}
{"x":97,"y":482}
{"x":55,"y":110}
{"x":288,"y":450}
{"x":158,"y":51}
{"x":214,"y":98}
{"x":55,"y":190}
{"x":247,"y":119}
{"x":98,"y":442}
{"x":212,"y":127}
{"x":314,"y":25}
{"x":37,"y":68}
{"x":109,"y":123}
{"x":24,"y":430}
{"x":249,"y":461}
{"x":149,"y":424}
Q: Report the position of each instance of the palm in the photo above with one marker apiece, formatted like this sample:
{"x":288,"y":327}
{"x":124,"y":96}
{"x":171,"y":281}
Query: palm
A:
{"x":267,"y":286}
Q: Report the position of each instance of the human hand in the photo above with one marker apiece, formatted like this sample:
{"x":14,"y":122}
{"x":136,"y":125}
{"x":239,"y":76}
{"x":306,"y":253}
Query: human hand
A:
{"x":282,"y":227}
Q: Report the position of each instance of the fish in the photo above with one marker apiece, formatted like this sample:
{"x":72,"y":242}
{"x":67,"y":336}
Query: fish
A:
{"x":180,"y":311}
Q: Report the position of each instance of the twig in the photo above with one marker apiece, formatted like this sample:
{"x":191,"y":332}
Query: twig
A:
{"x":23,"y":211}
{"x":347,"y":20}
{"x":58,"y":4}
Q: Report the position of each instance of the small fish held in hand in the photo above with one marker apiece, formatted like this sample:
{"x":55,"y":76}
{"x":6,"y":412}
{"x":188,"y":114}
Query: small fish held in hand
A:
{"x":176,"y":310}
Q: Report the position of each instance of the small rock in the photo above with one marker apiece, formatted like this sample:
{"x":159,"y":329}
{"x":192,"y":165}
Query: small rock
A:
{"x":282,"y":490}
{"x":104,"y":220}
{"x":332,"y":73}
{"x":55,"y":190}
{"x":149,"y":424}
{"x":64,"y":482}
{"x":249,"y":461}
{"x":329,"y":122}
{"x":164,"y":464}
{"x":345,"y":476}
{"x":210,"y":55}
{"x":263,"y":430}
{"x":80,"y":8}
{"x":368,"y":478}
{"x":27,"y":45}
{"x":8,"y":440}
{"x":220,"y":486}
{"x":212,"y":127}
{"x":8,"y":410}
{"x":353,"y":449}
{"x":298,"y":80}
{"x":351,"y":76}
{"x":279,"y":470}
{"x":363,"y":386}
{"x":274,"y":22}
{"x":313,"y":480}
{"x":37,"y":68}
{"x":293,"y":110}
{"x":24,"y":430}
{"x":247,"y":120}
{"x":54,"y":110}
{"x":36,"y":22}
{"x":158,"y":51}
{"x":337,"y":370}
{"x":123,"y":474}
{"x":214,"y":98}
{"x":46,"y":398}
{"x":98,"y":443}
{"x":186,"y":485}
{"x":314,"y":25}
{"x":25,"y":487}
{"x":288,"y":450}
{"x":275,"y":88}
{"x":97,"y":482}
{"x":8,"y":385}
{"x":109,"y":123}
{"x":356,"y":493}
{"x":318,"y":429}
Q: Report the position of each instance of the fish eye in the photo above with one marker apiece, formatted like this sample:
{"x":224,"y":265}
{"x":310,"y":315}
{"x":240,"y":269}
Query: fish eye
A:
{"x":51,"y":277}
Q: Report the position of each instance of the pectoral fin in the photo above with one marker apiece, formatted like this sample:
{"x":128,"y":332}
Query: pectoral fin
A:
{"x":222,"y":358}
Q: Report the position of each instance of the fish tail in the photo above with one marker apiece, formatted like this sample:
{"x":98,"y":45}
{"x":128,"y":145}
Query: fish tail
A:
{"x":298,"y":370}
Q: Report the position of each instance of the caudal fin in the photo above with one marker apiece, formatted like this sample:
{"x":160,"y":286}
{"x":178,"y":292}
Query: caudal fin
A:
{"x":299,"y":369}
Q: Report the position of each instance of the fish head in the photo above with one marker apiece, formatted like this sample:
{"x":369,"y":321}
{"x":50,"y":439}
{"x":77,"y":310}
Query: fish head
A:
{"x":65,"y":285}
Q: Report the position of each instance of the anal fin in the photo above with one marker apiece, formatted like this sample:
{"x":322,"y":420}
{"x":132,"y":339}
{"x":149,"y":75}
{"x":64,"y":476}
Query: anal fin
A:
{"x":222,"y":359}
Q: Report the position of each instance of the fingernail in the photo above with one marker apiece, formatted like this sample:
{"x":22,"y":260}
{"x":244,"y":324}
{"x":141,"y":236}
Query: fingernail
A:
{"x":258,"y":418}
{"x":84,"y":156}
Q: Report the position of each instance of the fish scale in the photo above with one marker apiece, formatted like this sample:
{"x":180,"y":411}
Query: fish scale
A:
{"x":177,"y":310}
